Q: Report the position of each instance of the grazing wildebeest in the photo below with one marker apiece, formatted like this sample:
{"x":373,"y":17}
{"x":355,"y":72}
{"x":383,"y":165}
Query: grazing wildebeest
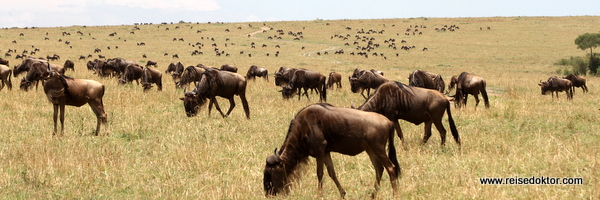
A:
{"x":69,"y":65}
{"x":190,"y":74}
{"x":306,"y":79}
{"x":468,"y":84}
{"x":334,"y":78}
{"x":36,"y":71}
{"x":230,"y":68}
{"x":62,"y":90}
{"x":255,"y":71}
{"x":577,"y":81}
{"x":91,"y":65}
{"x":284,"y":75}
{"x":555,"y":84}
{"x":149,"y":77}
{"x":5,"y":73}
{"x":319,"y":129}
{"x":413,"y":104}
{"x":151,"y":63}
{"x":365,"y":79}
{"x":115,"y":66}
{"x":420,"y":78}
{"x":215,"y":83}
{"x":132,"y":73}
{"x":175,"y":70}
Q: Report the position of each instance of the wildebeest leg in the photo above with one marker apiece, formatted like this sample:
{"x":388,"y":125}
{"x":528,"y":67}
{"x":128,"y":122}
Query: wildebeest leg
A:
{"x":210,"y":104}
{"x":231,"y":106}
{"x":326,"y":159}
{"x":380,"y":159}
{"x":245,"y":105}
{"x":217,"y":106}
{"x":98,"y":108}
{"x":427,"y":134}
{"x":62,"y":119}
{"x":377,"y":164}
{"x":465,"y":98}
{"x":399,"y":132}
{"x":55,"y":117}
{"x":441,"y":129}
{"x":476,"y":100}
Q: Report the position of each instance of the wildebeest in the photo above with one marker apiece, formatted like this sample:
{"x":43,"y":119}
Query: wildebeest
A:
{"x":577,"y":81}
{"x":5,"y":73}
{"x":334,"y":78}
{"x":115,"y":66}
{"x":413,"y":104}
{"x":284,"y":75}
{"x":62,"y":90}
{"x":306,"y":79}
{"x":255,"y":71}
{"x":36,"y":71}
{"x":189,"y":75}
{"x":468,"y":84}
{"x":319,"y":129}
{"x":555,"y":84}
{"x":215,"y":83}
{"x":420,"y":78}
{"x":149,"y":77}
{"x":69,"y":65}
{"x":4,"y":62}
{"x":132,"y":73}
{"x":175,"y":70}
{"x":230,"y":68}
{"x":151,"y":63}
{"x":365,"y":79}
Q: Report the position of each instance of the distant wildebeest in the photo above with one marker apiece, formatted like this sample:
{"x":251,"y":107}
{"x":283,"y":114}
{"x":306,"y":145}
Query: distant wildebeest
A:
{"x":255,"y":71}
{"x":468,"y":84}
{"x":577,"y":81}
{"x":151,"y":63}
{"x":334,"y":78}
{"x":365,"y":79}
{"x":190,"y":74}
{"x":306,"y":79}
{"x":212,"y":84}
{"x":230,"y":68}
{"x":132,"y":73}
{"x":556,"y":84}
{"x":319,"y":129}
{"x":175,"y":70}
{"x":151,"y":76}
{"x":69,"y":65}
{"x":420,"y":78}
{"x":5,"y":74}
{"x":115,"y":67}
{"x":413,"y":104}
{"x":61,"y":90}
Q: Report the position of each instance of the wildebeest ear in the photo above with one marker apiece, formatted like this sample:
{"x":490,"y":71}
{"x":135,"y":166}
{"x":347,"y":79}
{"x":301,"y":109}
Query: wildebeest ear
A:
{"x":181,"y":98}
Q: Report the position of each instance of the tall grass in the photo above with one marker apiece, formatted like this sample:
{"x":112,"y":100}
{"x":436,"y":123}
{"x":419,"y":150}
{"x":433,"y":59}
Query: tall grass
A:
{"x":155,"y":152}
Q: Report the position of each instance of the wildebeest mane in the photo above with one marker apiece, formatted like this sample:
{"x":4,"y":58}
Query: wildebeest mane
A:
{"x":378,"y":102}
{"x":207,"y":85}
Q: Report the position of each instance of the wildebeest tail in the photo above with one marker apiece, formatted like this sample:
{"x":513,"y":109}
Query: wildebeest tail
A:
{"x":485,"y":96}
{"x":324,"y":93}
{"x":392,"y":152}
{"x":452,"y":125}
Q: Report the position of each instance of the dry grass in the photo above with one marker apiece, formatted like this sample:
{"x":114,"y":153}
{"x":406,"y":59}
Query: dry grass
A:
{"x":155,"y":152}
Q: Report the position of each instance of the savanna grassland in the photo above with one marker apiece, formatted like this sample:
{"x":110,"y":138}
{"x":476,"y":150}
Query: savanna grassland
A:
{"x":154,"y":151}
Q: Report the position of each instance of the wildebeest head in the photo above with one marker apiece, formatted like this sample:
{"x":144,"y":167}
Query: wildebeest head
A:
{"x":191,"y":103}
{"x":275,"y":179}
{"x":355,"y":87}
{"x":545,"y":87}
{"x":288,"y":92}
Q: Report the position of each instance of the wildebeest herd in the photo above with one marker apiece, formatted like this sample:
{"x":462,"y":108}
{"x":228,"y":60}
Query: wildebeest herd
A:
{"x":315,"y":131}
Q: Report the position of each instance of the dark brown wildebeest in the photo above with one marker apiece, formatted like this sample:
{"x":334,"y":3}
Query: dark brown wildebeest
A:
{"x":334,"y":78}
{"x":255,"y":71}
{"x":61,"y":90}
{"x":230,"y":68}
{"x":215,"y":83}
{"x":132,"y":73}
{"x":175,"y":70}
{"x":577,"y":81}
{"x":91,"y":65}
{"x":36,"y":70}
{"x":468,"y":84}
{"x":5,"y":73}
{"x":284,"y":75}
{"x":116,"y":66}
{"x":189,"y":75}
{"x":306,"y":79}
{"x":151,"y":63}
{"x":365,"y":79}
{"x":555,"y":84}
{"x":4,"y":62}
{"x":149,"y":77}
{"x":413,"y":104}
{"x":420,"y":78}
{"x":69,"y":65}
{"x":319,"y":129}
